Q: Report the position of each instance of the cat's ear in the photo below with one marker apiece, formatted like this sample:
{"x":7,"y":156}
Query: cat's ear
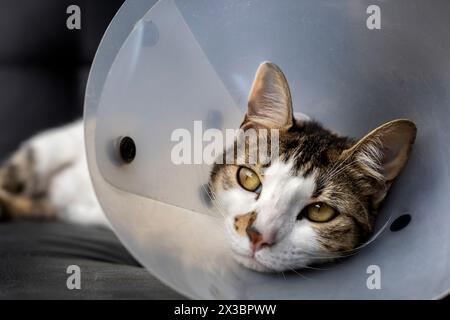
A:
{"x":270,"y":102}
{"x":383,"y":153}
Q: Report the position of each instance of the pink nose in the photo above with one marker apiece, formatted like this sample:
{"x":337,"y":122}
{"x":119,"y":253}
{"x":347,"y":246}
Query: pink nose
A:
{"x":257,"y":239}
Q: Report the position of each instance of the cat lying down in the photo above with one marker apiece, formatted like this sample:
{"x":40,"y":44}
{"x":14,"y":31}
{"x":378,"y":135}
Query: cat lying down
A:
{"x":318,"y":200}
{"x":314,"y":202}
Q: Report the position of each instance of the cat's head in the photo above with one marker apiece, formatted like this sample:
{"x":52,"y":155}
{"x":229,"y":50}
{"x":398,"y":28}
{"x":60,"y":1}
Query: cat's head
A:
{"x":316,"y":200}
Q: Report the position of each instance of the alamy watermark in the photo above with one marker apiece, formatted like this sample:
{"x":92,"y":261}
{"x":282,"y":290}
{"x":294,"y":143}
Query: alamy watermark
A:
{"x":373,"y":282}
{"x":74,"y":279}
{"x":231,"y":146}
{"x":373,"y":22}
{"x":73,"y":21}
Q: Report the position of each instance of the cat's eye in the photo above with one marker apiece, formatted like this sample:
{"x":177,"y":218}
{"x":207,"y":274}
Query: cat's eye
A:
{"x":248,"y":179}
{"x":319,"y":212}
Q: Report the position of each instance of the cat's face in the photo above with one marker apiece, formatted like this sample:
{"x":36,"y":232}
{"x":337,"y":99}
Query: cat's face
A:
{"x":316,"y":200}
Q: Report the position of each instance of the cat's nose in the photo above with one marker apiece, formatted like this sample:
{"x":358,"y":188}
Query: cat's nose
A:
{"x":257,"y":239}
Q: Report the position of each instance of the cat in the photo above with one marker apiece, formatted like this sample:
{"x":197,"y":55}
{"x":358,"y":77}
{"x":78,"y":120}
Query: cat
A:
{"x":315,"y":202}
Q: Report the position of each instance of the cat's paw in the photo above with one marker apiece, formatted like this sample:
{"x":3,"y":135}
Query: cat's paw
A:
{"x":18,"y":175}
{"x":13,"y":207}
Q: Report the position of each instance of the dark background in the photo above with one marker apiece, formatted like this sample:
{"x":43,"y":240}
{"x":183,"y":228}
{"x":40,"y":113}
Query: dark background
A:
{"x":44,"y":66}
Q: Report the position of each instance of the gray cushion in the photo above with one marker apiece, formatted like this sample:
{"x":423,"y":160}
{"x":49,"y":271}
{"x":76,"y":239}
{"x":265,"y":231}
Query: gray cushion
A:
{"x":34,"y":257}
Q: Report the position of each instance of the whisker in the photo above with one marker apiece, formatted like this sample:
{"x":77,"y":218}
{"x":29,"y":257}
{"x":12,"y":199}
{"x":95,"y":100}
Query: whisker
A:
{"x":216,"y":202}
{"x":298,"y":273}
{"x":316,"y":268}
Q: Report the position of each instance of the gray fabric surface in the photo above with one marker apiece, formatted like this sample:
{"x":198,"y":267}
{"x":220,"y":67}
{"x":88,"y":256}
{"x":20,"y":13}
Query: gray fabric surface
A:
{"x":34,"y":257}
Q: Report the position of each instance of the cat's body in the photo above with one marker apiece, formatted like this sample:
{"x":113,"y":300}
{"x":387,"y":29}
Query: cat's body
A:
{"x":48,"y":177}
{"x":315,"y":201}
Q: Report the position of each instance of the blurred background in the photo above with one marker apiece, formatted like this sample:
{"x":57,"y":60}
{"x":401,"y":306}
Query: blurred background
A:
{"x":44,"y":66}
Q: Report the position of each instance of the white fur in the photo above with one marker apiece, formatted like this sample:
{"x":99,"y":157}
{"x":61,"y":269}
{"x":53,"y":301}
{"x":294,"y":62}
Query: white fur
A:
{"x":60,"y":163}
{"x":282,"y":197}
